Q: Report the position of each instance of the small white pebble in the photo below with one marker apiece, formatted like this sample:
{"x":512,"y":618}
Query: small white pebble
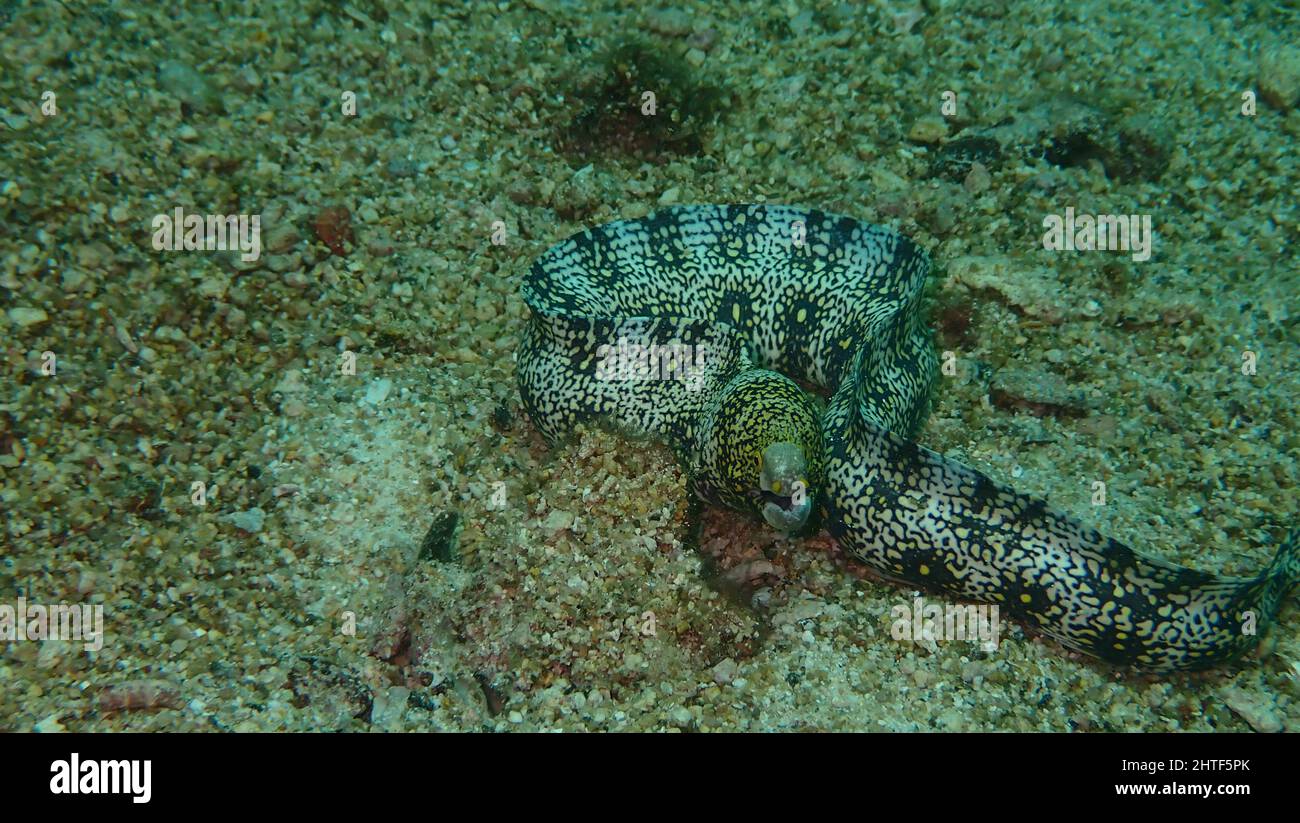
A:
{"x":49,"y":725}
{"x":977,"y":180}
{"x":24,"y":316}
{"x":725,"y":672}
{"x":557,"y":521}
{"x":378,"y":391}
{"x":250,"y":521}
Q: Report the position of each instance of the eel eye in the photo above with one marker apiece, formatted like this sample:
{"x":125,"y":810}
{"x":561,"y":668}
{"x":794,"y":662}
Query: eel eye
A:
{"x":776,"y":486}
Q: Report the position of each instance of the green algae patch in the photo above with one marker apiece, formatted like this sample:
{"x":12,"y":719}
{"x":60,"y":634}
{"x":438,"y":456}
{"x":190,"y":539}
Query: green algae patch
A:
{"x":640,"y":102}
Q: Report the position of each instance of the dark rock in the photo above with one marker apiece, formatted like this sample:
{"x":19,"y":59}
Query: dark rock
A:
{"x":1142,"y":150}
{"x":502,"y":419}
{"x":954,"y":160}
{"x":440,"y":541}
{"x":1067,"y":133}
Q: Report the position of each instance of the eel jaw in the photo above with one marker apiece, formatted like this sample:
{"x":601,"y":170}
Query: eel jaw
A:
{"x":787,"y":500}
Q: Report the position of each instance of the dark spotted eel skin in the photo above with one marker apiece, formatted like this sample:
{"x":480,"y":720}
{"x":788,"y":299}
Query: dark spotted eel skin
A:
{"x":754,"y":295}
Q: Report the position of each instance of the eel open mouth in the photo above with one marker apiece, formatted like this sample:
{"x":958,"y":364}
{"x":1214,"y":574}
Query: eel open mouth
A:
{"x":783,"y":493}
{"x":781,"y":501}
{"x":784,"y":514}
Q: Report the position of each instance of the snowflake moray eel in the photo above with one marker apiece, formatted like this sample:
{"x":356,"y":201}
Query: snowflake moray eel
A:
{"x":732,"y":302}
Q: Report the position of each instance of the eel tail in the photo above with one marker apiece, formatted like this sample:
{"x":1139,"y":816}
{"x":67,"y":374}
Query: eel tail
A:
{"x":917,"y":516}
{"x":1282,"y":575}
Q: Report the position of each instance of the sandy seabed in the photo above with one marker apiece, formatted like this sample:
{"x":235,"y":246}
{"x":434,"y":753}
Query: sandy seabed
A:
{"x":381,"y":540}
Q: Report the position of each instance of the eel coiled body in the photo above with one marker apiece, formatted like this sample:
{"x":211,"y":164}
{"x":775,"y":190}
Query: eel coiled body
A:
{"x":722,"y":308}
